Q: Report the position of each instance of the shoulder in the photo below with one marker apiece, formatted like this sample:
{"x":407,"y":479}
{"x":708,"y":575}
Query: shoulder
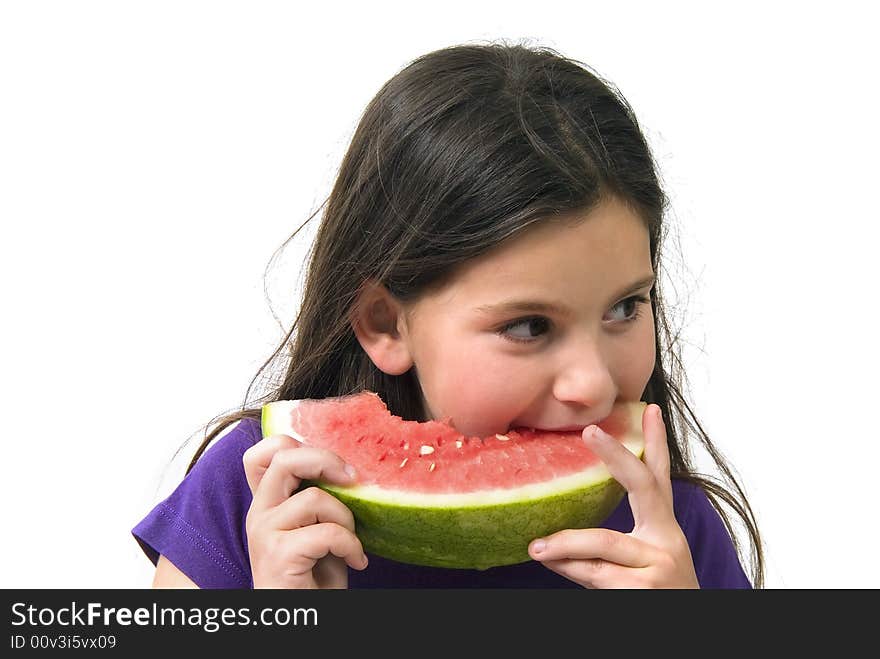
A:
{"x":217,"y":480}
{"x":712,"y":548}
{"x":229,"y":448}
{"x":200,"y":526}
{"x":689,"y":499}
{"x":220,"y":469}
{"x":693,"y":508}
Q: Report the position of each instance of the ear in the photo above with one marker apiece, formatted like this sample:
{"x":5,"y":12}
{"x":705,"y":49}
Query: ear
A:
{"x":377,"y":320}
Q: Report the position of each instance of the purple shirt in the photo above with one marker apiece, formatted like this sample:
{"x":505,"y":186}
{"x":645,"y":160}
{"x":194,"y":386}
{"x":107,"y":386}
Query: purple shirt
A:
{"x":200,"y":528}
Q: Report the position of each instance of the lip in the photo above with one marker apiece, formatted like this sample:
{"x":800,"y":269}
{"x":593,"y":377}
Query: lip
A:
{"x":577,"y":429}
{"x":561,"y":429}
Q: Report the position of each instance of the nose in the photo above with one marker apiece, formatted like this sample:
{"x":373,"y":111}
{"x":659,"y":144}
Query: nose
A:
{"x":584,"y":378}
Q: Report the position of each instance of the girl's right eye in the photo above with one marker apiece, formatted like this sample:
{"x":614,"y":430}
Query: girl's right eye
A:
{"x":525,"y":330}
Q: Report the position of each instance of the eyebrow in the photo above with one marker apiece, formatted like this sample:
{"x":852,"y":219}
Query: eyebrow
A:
{"x":547,"y":307}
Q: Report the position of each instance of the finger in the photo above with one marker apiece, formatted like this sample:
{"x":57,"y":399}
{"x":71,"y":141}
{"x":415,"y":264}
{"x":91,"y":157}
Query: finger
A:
{"x":597,"y":573}
{"x":645,"y":497}
{"x":258,"y":457}
{"x":306,"y":546}
{"x":604,"y":544}
{"x":289,"y":467}
{"x":310,"y":506}
{"x":656,"y":448}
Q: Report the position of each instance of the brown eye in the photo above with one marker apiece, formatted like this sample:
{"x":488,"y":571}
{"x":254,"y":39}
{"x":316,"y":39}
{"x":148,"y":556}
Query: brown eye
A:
{"x":526,"y":329}
{"x":631,"y":303}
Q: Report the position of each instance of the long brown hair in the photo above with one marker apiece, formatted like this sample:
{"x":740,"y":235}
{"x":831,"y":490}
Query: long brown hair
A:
{"x":462,"y":149}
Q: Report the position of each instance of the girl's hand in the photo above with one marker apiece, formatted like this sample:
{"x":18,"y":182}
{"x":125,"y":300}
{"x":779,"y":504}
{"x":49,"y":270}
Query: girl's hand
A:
{"x":304,"y":540}
{"x":655,"y":554}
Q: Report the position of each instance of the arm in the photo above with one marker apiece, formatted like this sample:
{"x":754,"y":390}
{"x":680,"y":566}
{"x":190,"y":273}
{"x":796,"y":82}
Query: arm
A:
{"x":168,"y":576}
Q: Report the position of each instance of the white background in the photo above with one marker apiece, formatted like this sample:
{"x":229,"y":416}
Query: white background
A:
{"x":153,"y":156}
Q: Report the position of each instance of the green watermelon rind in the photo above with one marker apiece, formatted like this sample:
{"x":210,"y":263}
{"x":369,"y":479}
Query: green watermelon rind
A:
{"x":474,"y":530}
{"x":473,"y":536}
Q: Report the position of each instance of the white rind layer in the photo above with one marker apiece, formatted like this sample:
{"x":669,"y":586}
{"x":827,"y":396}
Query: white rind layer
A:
{"x":287,"y":407}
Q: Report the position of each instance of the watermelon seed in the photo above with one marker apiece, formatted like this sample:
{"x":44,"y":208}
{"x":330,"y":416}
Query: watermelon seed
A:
{"x":403,"y":463}
{"x":426,"y":450}
{"x":458,"y":443}
{"x":431,"y":468}
{"x":503,"y":438}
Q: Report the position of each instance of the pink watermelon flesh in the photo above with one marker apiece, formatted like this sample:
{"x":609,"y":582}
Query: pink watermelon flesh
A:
{"x":433,"y":457}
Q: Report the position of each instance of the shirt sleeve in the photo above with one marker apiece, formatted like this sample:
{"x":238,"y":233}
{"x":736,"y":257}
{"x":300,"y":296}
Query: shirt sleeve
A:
{"x":715,"y":559}
{"x":200,"y":526}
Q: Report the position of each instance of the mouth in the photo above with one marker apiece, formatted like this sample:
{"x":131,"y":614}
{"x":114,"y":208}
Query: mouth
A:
{"x":569,"y":429}
{"x":561,"y":430}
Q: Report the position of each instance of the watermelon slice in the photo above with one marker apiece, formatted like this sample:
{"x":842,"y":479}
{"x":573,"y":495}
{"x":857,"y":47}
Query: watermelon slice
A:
{"x":428,"y":495}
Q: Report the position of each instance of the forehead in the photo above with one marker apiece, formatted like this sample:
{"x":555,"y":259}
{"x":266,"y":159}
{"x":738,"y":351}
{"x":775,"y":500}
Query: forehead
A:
{"x":608,"y":247}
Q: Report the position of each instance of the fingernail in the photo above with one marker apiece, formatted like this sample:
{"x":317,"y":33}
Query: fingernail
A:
{"x":598,"y":433}
{"x":349,"y":470}
{"x":659,"y":413}
{"x":538,"y":546}
{"x":366,"y":562}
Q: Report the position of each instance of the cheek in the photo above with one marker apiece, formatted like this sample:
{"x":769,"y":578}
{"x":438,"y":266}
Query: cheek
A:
{"x":637,"y":363}
{"x":479,"y":389}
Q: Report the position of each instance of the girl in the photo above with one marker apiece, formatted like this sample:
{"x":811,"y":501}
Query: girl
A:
{"x":498,"y":213}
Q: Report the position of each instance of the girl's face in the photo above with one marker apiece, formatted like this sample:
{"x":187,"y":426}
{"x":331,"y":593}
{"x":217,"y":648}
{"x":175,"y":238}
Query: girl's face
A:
{"x":547,"y":331}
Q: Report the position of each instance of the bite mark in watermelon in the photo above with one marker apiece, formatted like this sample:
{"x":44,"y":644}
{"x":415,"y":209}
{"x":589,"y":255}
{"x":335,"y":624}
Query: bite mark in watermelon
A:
{"x":428,"y":495}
